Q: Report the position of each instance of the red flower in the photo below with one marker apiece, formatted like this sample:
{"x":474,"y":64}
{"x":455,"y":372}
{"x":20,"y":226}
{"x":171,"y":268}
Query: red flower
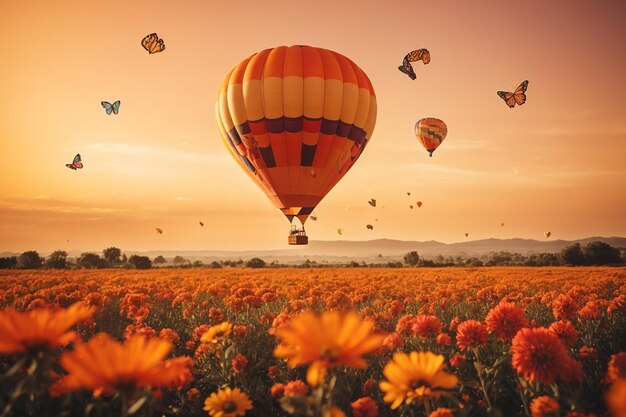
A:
{"x":471,"y":333}
{"x":565,"y":331}
{"x":444,"y":339}
{"x":505,"y":320}
{"x":538,"y":355}
{"x":617,"y":367}
{"x":457,"y":360}
{"x":441,"y":412}
{"x":405,"y":324}
{"x":278,"y":390}
{"x":364,"y":407}
{"x":544,"y":407}
{"x":296,"y":388}
{"x":426,"y":326}
{"x":239,"y":363}
{"x":392,"y":341}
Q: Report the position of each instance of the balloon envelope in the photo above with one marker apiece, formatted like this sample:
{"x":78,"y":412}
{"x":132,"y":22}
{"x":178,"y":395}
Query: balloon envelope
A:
{"x":430,"y":132}
{"x":296,"y":119}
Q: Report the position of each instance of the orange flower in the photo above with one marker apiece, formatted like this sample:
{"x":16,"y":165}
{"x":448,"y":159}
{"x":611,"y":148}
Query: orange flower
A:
{"x":538,"y":354}
{"x":239,"y":363}
{"x":471,"y":333}
{"x":544,"y":407}
{"x":277,"y":390}
{"x":295,"y":388}
{"x":364,"y":407}
{"x":441,"y":412}
{"x":564,"y":307}
{"x":565,"y":331}
{"x":39,"y":329}
{"x":329,"y":341}
{"x":217,"y":333}
{"x":405,"y":323}
{"x":443,"y":339}
{"x":103,"y":364}
{"x":393,"y":341}
{"x":505,"y":320}
{"x":617,"y":367}
{"x":227,"y":402}
{"x":616,"y":398}
{"x":426,"y":326}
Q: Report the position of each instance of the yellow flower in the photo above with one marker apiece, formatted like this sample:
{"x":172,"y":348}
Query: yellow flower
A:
{"x":332,"y":340}
{"x":217,"y":333}
{"x":104,"y":364}
{"x":39,"y":329}
{"x":227,"y":403}
{"x":414,"y":376}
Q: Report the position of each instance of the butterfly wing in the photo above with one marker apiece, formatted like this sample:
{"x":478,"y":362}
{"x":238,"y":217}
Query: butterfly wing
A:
{"x":407,"y":69}
{"x":148,"y":41}
{"x":520,"y":93}
{"x":70,"y":166}
{"x":107,"y":106}
{"x":77,"y":163}
{"x":508,"y":97}
{"x":116,"y":107}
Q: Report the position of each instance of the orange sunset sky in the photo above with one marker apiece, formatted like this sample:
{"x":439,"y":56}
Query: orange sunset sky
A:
{"x":556,"y":163}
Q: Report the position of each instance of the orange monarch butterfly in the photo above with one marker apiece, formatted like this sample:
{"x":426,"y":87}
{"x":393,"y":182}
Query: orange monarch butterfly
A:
{"x":414,"y":56}
{"x":516,"y":97}
{"x":153,"y":44}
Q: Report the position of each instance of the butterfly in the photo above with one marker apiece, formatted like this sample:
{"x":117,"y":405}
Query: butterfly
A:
{"x":517,"y":97}
{"x":153,"y":44}
{"x":370,"y":227}
{"x":76,"y":163}
{"x":314,"y":218}
{"x":201,"y":224}
{"x":159,"y":230}
{"x":111,"y":108}
{"x":414,"y":56}
{"x":372,"y":202}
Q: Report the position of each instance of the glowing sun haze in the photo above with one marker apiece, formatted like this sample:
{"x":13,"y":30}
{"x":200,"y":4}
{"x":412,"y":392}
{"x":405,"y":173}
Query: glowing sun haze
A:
{"x":556,"y":163}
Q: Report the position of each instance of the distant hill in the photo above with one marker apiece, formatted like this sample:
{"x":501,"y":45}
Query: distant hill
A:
{"x":381,"y":250}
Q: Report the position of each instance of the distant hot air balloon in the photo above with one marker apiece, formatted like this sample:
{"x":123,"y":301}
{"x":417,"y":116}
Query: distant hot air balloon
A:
{"x":547,"y":234}
{"x":340,"y":231}
{"x":313,"y":217}
{"x":372,"y":202}
{"x":408,"y":193}
{"x":466,"y":234}
{"x":296,"y":119}
{"x":201,"y":224}
{"x":370,"y":227}
{"x":159,"y":230}
{"x":501,"y":224}
{"x":419,"y":204}
{"x":411,"y":206}
{"x":430,"y":132}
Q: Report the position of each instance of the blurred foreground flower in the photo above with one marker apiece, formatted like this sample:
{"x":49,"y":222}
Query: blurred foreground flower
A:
{"x":616,"y":398}
{"x":415,"y":376}
{"x":544,"y":406}
{"x":39,"y":329}
{"x":331,"y":340}
{"x":227,"y":403}
{"x":104,"y":364}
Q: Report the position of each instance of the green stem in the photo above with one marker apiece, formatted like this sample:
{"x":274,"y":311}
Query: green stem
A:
{"x":482,"y":383}
{"x":523,"y":397}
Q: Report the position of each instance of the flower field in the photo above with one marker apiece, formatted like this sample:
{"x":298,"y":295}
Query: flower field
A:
{"x":435,"y":342}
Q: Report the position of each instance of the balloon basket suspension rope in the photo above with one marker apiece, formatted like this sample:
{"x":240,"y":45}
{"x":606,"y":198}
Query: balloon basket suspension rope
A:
{"x":298,"y":236}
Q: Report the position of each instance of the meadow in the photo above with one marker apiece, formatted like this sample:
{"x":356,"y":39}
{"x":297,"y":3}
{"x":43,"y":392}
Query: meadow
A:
{"x":502,"y":341}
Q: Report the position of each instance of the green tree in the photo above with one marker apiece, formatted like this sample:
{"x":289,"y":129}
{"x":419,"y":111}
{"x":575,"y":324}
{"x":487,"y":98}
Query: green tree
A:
{"x":92,"y":261}
{"x":159,"y":260}
{"x":57,"y":260}
{"x":572,"y":255}
{"x":112,"y":255}
{"x":140,"y":262}
{"x":411,"y":258}
{"x":255,"y":263}
{"x":29,"y":260}
{"x":179,"y":260}
{"x":600,"y":253}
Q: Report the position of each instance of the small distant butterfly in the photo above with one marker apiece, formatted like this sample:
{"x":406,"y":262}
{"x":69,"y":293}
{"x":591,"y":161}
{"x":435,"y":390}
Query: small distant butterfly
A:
{"x":201,"y":224}
{"x":372,"y":202}
{"x":153,"y":44}
{"x":314,"y":218}
{"x":111,"y":108}
{"x":517,"y":97}
{"x":414,"y":56}
{"x":159,"y":230}
{"x":370,"y":227}
{"x":76,"y":163}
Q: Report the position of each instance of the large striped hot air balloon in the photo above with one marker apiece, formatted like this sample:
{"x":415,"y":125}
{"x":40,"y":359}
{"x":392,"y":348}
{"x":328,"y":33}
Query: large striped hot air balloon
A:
{"x":296,"y":119}
{"x":430,"y":132}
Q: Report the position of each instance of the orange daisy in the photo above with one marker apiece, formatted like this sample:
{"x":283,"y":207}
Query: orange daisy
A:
{"x":39,"y":329}
{"x":327,"y":341}
{"x":217,"y":333}
{"x":228,"y":403}
{"x":415,"y":376}
{"x":104,"y":364}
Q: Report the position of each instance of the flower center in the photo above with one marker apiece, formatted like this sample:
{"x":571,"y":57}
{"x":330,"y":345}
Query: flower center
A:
{"x":219,"y":333}
{"x":229,"y":407}
{"x":420,"y":383}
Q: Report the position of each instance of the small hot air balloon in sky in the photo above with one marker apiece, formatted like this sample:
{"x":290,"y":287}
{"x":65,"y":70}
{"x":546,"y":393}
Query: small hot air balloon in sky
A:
{"x":430,"y":132}
{"x":408,"y":193}
{"x":159,"y":230}
{"x":501,"y":224}
{"x":288,"y":108}
{"x":313,"y":217}
{"x":419,"y":204}
{"x":201,"y":224}
{"x":411,"y":206}
{"x":466,"y":234}
{"x":340,"y":231}
{"x":372,"y":202}
{"x":370,"y":227}
{"x":547,"y":234}
{"x":375,"y":220}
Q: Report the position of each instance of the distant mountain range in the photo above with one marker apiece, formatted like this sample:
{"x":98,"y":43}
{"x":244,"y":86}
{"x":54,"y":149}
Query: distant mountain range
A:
{"x":380,"y":250}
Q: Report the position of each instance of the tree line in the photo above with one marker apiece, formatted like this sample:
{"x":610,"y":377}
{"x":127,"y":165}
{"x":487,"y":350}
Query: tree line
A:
{"x":593,"y":253}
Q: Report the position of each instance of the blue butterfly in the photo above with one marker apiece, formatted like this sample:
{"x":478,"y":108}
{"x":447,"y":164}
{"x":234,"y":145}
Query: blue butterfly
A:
{"x":115,"y":107}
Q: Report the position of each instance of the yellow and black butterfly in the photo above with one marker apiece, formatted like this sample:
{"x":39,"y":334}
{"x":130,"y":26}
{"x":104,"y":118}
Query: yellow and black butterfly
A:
{"x":414,"y":56}
{"x":153,"y":44}
{"x":517,"y":97}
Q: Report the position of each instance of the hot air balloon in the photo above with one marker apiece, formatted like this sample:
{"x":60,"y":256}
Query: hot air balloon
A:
{"x":159,"y":230}
{"x":419,"y":204}
{"x":340,"y":231}
{"x":372,"y":202}
{"x":296,"y":119}
{"x":547,"y":234}
{"x":369,"y":227}
{"x":430,"y":132}
{"x":466,"y":234}
{"x":411,"y":206}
